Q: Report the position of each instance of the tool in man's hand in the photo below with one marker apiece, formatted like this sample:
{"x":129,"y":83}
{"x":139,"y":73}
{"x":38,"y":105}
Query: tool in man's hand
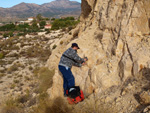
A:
{"x":86,"y":59}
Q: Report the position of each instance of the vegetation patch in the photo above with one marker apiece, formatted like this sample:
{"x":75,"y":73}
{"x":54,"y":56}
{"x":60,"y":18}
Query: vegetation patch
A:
{"x":12,"y":68}
{"x":2,"y":75}
{"x":45,"y":79}
{"x":61,"y":42}
{"x":12,"y":105}
{"x":10,"y":44}
{"x":59,"y":105}
{"x":1,"y":56}
{"x":2,"y":62}
{"x":37,"y":52}
{"x":75,"y":34}
{"x":66,"y":22}
{"x":16,"y":81}
{"x":54,"y":46}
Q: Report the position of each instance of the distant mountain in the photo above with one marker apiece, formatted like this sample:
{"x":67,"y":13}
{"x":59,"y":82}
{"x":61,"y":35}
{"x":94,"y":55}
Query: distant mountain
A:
{"x":53,"y":9}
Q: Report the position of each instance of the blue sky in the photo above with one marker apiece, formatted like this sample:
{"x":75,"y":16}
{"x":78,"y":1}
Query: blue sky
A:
{"x":10,"y":3}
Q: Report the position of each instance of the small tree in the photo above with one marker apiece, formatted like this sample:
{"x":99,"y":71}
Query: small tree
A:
{"x":10,"y":34}
{"x":39,"y":17}
{"x":34,"y":25}
{"x":42,"y":24}
{"x":46,"y":18}
{"x":53,"y":19}
{"x":5,"y":35}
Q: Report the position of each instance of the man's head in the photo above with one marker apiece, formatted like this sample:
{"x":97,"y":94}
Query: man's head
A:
{"x":75,"y":46}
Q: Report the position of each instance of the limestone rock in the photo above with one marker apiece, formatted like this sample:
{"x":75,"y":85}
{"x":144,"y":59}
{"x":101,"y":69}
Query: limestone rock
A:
{"x":113,"y":34}
{"x":145,"y":97}
{"x":147,"y":110}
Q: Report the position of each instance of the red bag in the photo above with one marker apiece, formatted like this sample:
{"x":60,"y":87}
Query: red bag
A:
{"x":77,"y":99}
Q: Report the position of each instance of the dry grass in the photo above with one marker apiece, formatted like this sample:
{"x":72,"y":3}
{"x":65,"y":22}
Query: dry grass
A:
{"x":15,"y":67}
{"x":2,"y":75}
{"x":13,"y":86}
{"x":16,"y":105}
{"x":16,"y":81}
{"x":45,"y":105}
{"x":26,"y":78}
{"x":46,"y":79}
{"x":12,"y":106}
{"x":2,"y":62}
{"x":75,"y":34}
{"x":10,"y":44}
{"x":37,"y":52}
{"x":61,"y":42}
{"x":99,"y":36}
{"x":12,"y":69}
{"x":30,"y":68}
{"x":59,"y":105}
{"x":36,"y":71}
{"x":13,"y":55}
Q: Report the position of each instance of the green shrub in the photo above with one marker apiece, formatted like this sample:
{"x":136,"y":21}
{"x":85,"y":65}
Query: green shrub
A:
{"x":47,"y":32}
{"x":70,"y":28}
{"x":21,"y":34}
{"x":5,"y":35}
{"x":16,"y":81}
{"x":13,"y":86}
{"x":1,"y":56}
{"x":42,"y":24}
{"x":63,"y":23}
{"x":7,"y":27}
{"x":54,"y":46}
{"x":30,"y":68}
{"x":10,"y":34}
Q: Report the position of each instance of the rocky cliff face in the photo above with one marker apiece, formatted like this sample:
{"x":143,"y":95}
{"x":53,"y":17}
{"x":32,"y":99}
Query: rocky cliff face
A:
{"x":115,"y":36}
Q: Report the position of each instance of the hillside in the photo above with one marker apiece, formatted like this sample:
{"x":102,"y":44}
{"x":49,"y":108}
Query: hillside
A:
{"x":22,"y":70}
{"x":52,"y":9}
{"x":115,"y":36}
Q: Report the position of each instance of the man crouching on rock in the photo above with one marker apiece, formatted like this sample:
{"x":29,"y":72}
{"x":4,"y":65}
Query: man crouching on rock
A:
{"x":69,"y":58}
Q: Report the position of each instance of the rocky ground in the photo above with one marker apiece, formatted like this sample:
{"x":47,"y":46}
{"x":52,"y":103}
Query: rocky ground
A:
{"x":21,"y":58}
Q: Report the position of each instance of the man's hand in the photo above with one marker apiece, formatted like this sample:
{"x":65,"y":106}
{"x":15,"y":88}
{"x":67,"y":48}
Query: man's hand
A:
{"x":83,"y":63}
{"x":85,"y":59}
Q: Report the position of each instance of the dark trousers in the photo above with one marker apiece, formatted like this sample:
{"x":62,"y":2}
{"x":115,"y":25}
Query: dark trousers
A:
{"x":67,"y":77}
